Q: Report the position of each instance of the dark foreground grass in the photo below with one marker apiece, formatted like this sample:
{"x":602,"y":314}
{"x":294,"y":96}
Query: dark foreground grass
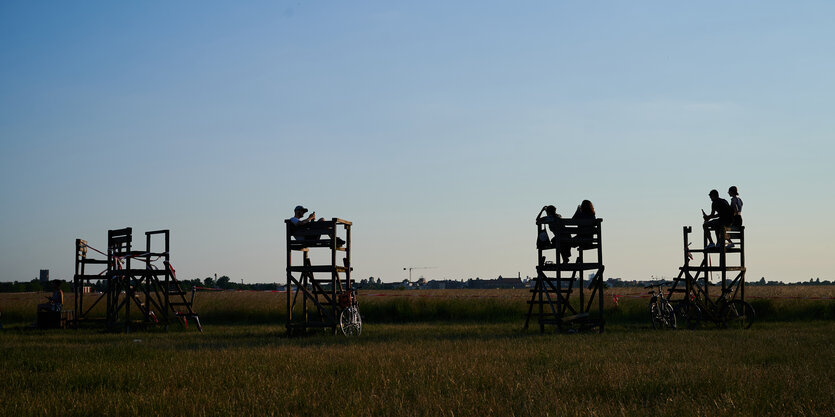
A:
{"x":422,"y":369}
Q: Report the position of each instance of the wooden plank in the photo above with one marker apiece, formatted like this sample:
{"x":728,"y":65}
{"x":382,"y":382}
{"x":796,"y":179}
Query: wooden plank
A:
{"x":736,"y":249}
{"x":571,"y":266}
{"x":136,"y":273}
{"x":157,"y":232}
{"x":580,"y":222}
{"x":554,"y":279}
{"x":317,"y":268}
{"x":314,"y":229}
{"x":142,"y":253}
{"x":321,"y":243}
{"x":575,"y":317}
{"x":118,"y":237}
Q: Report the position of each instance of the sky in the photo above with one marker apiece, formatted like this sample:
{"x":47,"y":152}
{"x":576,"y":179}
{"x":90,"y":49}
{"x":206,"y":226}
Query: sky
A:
{"x":438,"y":128}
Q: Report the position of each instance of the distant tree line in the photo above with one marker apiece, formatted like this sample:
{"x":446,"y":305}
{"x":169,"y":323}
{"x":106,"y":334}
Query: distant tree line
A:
{"x":34,"y":285}
{"x":811,"y":281}
{"x":224,"y":283}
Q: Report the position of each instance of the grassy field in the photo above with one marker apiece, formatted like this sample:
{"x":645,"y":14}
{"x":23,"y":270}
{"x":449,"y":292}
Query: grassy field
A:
{"x":414,"y":364}
{"x":421,"y":369}
{"x":236,"y":307}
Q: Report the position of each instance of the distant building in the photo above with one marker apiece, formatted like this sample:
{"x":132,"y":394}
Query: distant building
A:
{"x":499,"y":282}
{"x":44,"y":277}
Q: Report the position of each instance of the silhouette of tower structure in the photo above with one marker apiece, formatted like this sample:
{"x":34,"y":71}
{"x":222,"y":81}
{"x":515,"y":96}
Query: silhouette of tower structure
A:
{"x":140,"y":283}
{"x":314,"y":286}
{"x":559,"y":296}
{"x":694,"y":281}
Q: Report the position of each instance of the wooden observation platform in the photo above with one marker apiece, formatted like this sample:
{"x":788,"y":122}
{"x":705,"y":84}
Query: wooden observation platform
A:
{"x":318,"y":290}
{"x":694,"y":282}
{"x":559,"y":296}
{"x":141,"y":286}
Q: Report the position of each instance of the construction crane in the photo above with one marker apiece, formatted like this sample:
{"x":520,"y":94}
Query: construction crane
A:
{"x":417,"y":267}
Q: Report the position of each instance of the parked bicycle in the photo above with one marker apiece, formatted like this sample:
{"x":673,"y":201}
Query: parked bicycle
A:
{"x":660,"y":310}
{"x":350,"y":321}
{"x":724,"y":312}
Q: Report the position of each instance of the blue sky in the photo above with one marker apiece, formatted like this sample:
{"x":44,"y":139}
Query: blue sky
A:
{"x":439,"y":129}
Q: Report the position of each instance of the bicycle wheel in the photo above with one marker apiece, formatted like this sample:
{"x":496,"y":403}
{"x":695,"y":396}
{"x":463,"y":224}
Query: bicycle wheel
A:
{"x":350,"y":321}
{"x":688,"y":314}
{"x":669,"y":315}
{"x":739,"y":315}
{"x":656,"y":317}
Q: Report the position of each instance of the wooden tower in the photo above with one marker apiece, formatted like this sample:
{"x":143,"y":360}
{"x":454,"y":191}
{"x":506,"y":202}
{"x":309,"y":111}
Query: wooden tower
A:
{"x":694,"y":281}
{"x":139,"y":283}
{"x":314,"y":286}
{"x":559,"y":296}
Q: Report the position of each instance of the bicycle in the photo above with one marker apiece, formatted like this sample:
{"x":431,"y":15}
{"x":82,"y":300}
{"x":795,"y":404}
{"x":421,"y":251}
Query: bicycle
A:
{"x":723,"y":312}
{"x":660,"y":310}
{"x":350,"y":321}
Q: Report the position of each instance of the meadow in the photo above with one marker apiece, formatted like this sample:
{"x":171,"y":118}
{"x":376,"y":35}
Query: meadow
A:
{"x":401,"y":306}
{"x":443,"y":353}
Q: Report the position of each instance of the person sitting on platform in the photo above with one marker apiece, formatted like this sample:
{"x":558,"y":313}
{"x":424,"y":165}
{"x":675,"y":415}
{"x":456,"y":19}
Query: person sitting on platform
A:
{"x":720,"y":217}
{"x":550,"y":219}
{"x":298,"y":213}
{"x":56,"y":301}
{"x":585,"y":211}
{"x":299,"y":224}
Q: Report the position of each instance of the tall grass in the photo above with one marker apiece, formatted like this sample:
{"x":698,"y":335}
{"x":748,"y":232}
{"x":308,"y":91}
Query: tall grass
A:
{"x":497,"y":306}
{"x":421,"y":369}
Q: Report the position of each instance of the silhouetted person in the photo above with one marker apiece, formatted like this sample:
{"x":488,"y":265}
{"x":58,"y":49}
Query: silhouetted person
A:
{"x":300,"y":224}
{"x":297,"y":220}
{"x":720,"y":217}
{"x":585,"y":211}
{"x":56,"y":300}
{"x":736,"y":206}
{"x":551,"y":220}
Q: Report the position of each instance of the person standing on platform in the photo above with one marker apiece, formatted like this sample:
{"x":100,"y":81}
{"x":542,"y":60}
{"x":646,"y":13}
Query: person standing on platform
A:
{"x":736,"y":206}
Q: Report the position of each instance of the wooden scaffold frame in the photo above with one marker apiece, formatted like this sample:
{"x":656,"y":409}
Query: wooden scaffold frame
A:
{"x":321,"y":295}
{"x":151,"y":290}
{"x":553,"y":300}
{"x":697,"y":302}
